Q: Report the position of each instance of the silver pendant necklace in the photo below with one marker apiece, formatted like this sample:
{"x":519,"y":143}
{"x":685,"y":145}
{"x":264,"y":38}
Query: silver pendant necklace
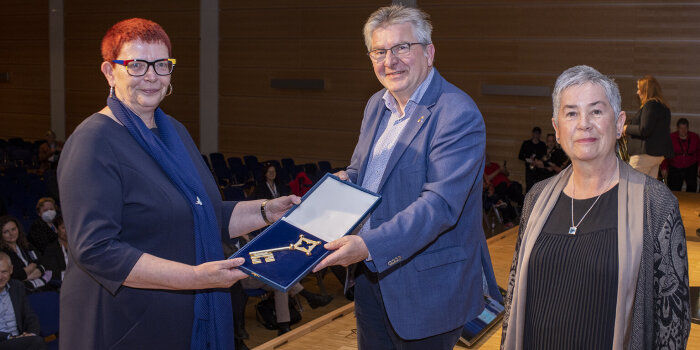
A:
{"x":573,"y":228}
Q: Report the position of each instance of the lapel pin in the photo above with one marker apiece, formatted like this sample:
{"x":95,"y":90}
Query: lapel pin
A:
{"x":420,"y":120}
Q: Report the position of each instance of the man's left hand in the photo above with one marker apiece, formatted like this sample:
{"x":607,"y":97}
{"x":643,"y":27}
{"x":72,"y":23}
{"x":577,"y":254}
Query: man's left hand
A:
{"x":348,"y":250}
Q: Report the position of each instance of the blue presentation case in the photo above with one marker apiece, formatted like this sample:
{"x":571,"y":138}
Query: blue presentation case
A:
{"x":331,"y":209}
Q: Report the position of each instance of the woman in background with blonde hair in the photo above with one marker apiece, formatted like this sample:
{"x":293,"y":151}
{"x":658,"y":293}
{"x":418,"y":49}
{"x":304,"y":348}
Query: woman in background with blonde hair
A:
{"x":648,"y":132}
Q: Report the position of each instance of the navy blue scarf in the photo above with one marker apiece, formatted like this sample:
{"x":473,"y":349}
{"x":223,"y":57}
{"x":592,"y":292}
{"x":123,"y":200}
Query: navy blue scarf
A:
{"x":213,"y":323}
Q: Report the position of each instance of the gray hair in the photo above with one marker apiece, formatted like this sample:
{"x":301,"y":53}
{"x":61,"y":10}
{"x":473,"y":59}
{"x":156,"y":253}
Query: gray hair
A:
{"x":580,"y":75}
{"x":5,"y":257}
{"x":399,"y":14}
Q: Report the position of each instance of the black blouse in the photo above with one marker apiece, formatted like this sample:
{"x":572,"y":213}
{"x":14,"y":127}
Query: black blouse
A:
{"x":572,"y":279}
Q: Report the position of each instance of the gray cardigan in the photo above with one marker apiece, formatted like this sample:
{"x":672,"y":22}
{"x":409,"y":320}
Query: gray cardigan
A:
{"x":661,"y":310}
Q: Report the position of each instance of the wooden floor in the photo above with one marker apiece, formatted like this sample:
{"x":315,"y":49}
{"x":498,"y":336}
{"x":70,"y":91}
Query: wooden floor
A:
{"x":336,"y":330}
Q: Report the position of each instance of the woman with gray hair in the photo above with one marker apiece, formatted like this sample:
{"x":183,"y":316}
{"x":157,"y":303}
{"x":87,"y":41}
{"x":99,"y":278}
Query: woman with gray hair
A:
{"x":600,"y":260}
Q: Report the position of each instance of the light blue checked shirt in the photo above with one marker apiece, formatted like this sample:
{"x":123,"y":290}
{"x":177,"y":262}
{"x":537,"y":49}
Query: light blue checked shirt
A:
{"x":390,"y":129}
{"x":8,"y":322}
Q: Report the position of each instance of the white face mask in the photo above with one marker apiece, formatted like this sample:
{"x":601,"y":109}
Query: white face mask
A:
{"x":48,"y":215}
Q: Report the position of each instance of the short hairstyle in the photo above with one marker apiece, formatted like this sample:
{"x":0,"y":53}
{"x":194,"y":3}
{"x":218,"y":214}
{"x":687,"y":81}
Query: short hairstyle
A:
{"x":650,"y":90}
{"x":43,"y":200}
{"x":682,"y":121}
{"x":21,"y":238}
{"x":552,"y":135}
{"x":6,"y":258}
{"x":537,"y":129}
{"x":399,"y":14}
{"x":580,"y":75}
{"x":133,"y":29}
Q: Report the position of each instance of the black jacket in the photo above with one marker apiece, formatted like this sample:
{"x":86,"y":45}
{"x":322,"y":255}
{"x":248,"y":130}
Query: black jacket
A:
{"x":649,"y":131}
{"x":26,"y":319}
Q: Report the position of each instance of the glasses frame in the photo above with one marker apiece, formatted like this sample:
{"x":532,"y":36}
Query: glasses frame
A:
{"x":392,"y":49}
{"x":125,"y":63}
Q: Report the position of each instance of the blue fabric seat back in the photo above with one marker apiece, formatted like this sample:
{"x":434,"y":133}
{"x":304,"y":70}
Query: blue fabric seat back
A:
{"x":46,"y":306}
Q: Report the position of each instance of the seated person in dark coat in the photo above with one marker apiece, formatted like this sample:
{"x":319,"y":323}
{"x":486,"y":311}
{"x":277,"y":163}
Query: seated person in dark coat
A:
{"x":22,"y":254}
{"x":55,"y":257}
{"x":19,"y":325}
{"x":43,"y":232}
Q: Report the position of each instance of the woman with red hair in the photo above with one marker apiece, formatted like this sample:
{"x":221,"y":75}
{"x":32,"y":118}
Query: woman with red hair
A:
{"x":144,"y":216}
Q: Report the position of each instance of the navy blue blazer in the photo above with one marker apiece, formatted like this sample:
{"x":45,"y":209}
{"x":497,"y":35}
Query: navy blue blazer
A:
{"x":425,"y":239}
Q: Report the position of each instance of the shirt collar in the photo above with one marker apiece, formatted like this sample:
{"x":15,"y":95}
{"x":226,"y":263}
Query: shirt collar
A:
{"x":390,"y":101}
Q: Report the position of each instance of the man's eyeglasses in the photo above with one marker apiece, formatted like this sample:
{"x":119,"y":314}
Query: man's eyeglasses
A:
{"x":137,"y":68}
{"x":400,"y":50}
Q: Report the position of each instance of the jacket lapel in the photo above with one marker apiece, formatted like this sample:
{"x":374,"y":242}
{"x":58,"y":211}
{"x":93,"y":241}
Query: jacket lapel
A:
{"x":415,"y":122}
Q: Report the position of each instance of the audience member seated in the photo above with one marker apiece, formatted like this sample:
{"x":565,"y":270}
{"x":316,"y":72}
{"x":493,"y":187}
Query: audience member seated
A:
{"x":553,"y":161}
{"x":530,"y":150}
{"x":282,"y":300}
{"x":270,"y":186}
{"x":684,"y":164}
{"x":55,"y":258}
{"x":49,"y":152}
{"x":491,"y":199}
{"x":301,"y":184}
{"x":19,"y":326}
{"x":497,"y":177}
{"x":24,"y":257}
{"x":43,"y":232}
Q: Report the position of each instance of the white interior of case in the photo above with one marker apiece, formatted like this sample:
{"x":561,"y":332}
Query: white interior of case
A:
{"x":331,"y":210}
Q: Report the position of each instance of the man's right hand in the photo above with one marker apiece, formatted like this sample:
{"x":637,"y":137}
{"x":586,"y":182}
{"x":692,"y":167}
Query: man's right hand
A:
{"x":342,"y":175}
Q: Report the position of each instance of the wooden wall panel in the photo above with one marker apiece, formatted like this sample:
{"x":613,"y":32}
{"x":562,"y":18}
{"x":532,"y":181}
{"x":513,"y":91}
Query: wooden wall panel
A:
{"x":301,"y":40}
{"x":24,"y":54}
{"x":300,"y":144}
{"x":478,"y":42}
{"x":531,"y":43}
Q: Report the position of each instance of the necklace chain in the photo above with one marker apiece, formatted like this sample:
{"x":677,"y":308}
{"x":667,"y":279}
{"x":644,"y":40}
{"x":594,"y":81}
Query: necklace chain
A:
{"x":573,"y":228}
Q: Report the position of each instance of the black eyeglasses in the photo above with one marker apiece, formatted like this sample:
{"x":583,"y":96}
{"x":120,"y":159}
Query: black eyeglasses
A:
{"x":401,"y":50}
{"x":137,"y":68}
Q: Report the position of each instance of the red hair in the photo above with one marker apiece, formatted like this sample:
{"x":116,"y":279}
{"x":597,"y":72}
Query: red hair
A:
{"x":133,"y":29}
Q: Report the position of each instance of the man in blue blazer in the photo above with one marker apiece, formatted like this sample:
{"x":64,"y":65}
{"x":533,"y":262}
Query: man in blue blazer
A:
{"x":423,"y":261}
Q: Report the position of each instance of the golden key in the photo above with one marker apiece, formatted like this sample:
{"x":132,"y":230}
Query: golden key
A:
{"x":267,"y":255}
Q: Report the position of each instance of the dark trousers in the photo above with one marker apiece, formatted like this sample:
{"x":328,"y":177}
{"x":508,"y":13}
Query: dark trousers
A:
{"x":23,"y":343}
{"x":514,"y":191}
{"x":374,"y":331}
{"x":676,"y":176}
{"x":238,"y":301}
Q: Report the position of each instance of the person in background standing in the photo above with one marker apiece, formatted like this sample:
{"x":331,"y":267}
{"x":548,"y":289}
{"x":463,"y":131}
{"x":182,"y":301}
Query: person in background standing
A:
{"x":684,"y":164}
{"x":530,"y":150}
{"x":648,"y":132}
{"x":554,"y":160}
